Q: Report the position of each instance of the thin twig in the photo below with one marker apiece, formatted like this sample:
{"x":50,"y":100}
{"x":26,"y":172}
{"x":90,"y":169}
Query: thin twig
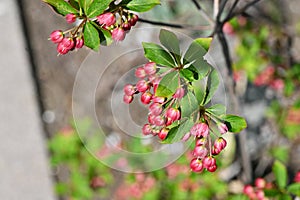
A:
{"x":216,"y":8}
{"x":242,"y":10}
{"x":203,"y":13}
{"x":179,"y":26}
{"x":231,"y":9}
{"x":221,"y":9}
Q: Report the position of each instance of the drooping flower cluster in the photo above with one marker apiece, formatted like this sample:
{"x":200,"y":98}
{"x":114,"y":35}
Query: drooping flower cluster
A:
{"x":162,"y":111}
{"x":116,"y":23}
{"x":257,"y":191}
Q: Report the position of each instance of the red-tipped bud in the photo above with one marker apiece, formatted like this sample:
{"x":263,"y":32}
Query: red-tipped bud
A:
{"x":142,"y":85}
{"x":79,"y":42}
{"x":163,"y":133}
{"x":220,"y":144}
{"x":129,"y":89}
{"x":155,"y":109}
{"x":222,"y":128}
{"x":173,"y":114}
{"x":200,"y":152}
{"x":277,"y":84}
{"x":151,"y":118}
{"x":147,"y":129}
{"x":127,"y":99}
{"x":140,"y":72}
{"x":133,"y":20}
{"x":297,"y":177}
{"x":150,"y":68}
{"x":260,"y":195}
{"x":200,"y":129}
{"x":212,"y":168}
{"x":70,"y":18}
{"x":179,"y":93}
{"x":196,"y":165}
{"x":61,"y":49}
{"x":260,"y":183}
{"x":118,"y":34}
{"x":57,"y":36}
{"x":208,"y":162}
{"x":146,"y":97}
{"x":126,"y":26}
{"x":228,"y":29}
{"x":68,"y":43}
{"x":169,"y":121}
{"x":107,"y":18}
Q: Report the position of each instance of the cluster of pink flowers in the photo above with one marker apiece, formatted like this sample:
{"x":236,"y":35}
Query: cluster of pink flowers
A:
{"x":72,"y":39}
{"x":162,"y":111}
{"x":117,"y":24}
{"x":268,"y":77}
{"x":257,"y":191}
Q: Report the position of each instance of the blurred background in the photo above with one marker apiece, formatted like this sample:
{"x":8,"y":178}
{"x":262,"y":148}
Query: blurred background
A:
{"x":42,"y":156}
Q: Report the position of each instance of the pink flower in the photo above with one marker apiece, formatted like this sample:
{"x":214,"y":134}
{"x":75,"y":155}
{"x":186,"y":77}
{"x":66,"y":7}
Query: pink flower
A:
{"x":118,"y":34}
{"x":79,"y":42}
{"x":129,"y":89}
{"x":107,"y":18}
{"x":186,"y":137}
{"x":163,"y":133}
{"x":140,"y":72}
{"x":196,"y":165}
{"x":179,"y":93}
{"x":173,"y":114}
{"x":127,"y":99}
{"x":146,"y":97}
{"x":150,"y":68}
{"x":277,"y":84}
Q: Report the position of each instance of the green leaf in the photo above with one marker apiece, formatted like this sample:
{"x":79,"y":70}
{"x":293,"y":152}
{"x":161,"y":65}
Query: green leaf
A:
{"x":105,"y":35}
{"x":97,"y":7}
{"x":280,"y":173}
{"x":271,"y":192}
{"x":285,"y":197}
{"x":171,"y":42}
{"x":158,"y":55}
{"x":188,"y":74}
{"x":199,"y":90}
{"x":142,"y":5}
{"x":194,"y":55}
{"x":168,"y":85}
{"x":74,"y":4}
{"x":91,"y":36}
{"x":294,"y":189}
{"x":204,"y":42}
{"x":235,"y":124}
{"x":84,"y":4}
{"x":189,"y":105}
{"x":176,"y":133}
{"x":217,"y":110}
{"x":212,"y":85}
{"x":61,"y":7}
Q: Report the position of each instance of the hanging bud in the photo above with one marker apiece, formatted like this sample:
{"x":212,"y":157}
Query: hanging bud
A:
{"x":107,"y":19}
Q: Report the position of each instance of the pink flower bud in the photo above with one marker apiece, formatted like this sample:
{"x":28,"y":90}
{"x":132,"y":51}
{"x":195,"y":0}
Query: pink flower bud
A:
{"x":260,"y":195}
{"x":146,"y":97}
{"x":297,"y":177}
{"x":151,"y":118}
{"x":248,"y":190}
{"x":126,"y":26}
{"x":129,"y":89}
{"x":107,"y":19}
{"x":68,"y":43}
{"x":57,"y":36}
{"x":200,"y":152}
{"x":168,"y":121}
{"x":163,"y":133}
{"x":186,"y":137}
{"x":212,"y":168}
{"x":196,"y":165}
{"x":200,"y":129}
{"x":201,"y":141}
{"x":159,"y":121}
{"x":70,"y":18}
{"x":61,"y":49}
{"x":133,"y":20}
{"x":156,"y":99}
{"x":140,"y":72}
{"x":127,"y":99}
{"x":155,"y":109}
{"x":220,"y":144}
{"x":222,"y":128}
{"x":147,"y":129}
{"x":208,"y":162}
{"x":228,"y":29}
{"x":142,"y":85}
{"x":260,"y":183}
{"x":118,"y":34}
{"x":173,"y":114}
{"x":79,"y":42}
{"x":150,"y":68}
{"x":179,"y":93}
